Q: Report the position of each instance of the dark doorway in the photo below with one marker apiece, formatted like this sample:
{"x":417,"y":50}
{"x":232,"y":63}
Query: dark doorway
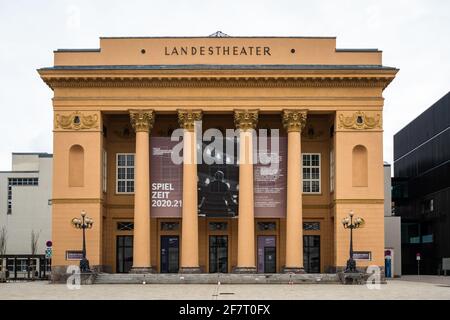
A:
{"x":267,"y":254}
{"x":169,"y":254}
{"x":311,"y":254}
{"x":124,"y":254}
{"x":218,"y":254}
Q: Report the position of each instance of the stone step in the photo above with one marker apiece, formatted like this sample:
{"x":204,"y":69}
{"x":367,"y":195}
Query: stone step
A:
{"x":214,"y":278}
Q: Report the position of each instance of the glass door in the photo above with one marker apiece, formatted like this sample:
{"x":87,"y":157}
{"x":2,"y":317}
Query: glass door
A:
{"x":218,"y":254}
{"x":267,"y":254}
{"x":270,"y":265}
{"x":169,"y":254}
{"x":311,"y":254}
{"x":124,"y":254}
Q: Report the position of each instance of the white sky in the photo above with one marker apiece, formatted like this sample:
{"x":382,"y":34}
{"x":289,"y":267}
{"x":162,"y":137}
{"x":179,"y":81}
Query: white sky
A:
{"x":413,"y":34}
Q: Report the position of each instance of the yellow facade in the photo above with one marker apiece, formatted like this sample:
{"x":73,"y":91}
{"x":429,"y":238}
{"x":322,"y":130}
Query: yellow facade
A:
{"x":340,"y":92}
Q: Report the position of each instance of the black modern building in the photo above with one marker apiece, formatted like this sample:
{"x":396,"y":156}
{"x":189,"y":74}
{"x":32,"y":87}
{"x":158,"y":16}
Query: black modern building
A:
{"x":421,"y":188}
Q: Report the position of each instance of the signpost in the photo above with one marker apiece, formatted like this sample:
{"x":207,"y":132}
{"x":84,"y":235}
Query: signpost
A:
{"x":418,"y":263}
{"x":48,"y":250}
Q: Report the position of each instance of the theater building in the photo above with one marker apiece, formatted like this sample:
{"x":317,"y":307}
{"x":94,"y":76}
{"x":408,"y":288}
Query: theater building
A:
{"x":122,"y":113}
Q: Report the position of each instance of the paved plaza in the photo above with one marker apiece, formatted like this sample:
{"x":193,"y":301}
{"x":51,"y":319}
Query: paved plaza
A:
{"x":409,"y":287}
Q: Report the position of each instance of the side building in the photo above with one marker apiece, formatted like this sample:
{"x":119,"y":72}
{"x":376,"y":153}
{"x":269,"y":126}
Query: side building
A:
{"x":421,"y":188}
{"x":25,"y":203}
{"x":392,"y":230}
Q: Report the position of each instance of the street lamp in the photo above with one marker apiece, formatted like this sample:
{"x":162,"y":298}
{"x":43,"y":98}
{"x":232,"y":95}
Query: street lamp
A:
{"x":348,"y":223}
{"x":83,"y":223}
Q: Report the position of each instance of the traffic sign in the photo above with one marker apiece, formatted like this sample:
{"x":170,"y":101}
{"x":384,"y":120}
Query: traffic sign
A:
{"x":418,"y":256}
{"x":48,"y":252}
{"x":49,"y":243}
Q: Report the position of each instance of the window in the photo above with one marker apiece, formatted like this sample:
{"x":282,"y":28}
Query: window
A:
{"x":218,"y":226}
{"x":125,"y":172}
{"x":332,"y":170}
{"x":104,"y":171}
{"x":12,"y":182}
{"x":125,"y":226}
{"x":428,"y":206}
{"x":410,"y":233}
{"x":311,"y":226}
{"x":311,"y":173}
{"x":267,"y":226}
{"x":170,"y":226}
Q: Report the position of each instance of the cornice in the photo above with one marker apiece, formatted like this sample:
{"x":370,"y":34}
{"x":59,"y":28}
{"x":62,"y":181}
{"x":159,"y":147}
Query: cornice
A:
{"x":265,"y":81}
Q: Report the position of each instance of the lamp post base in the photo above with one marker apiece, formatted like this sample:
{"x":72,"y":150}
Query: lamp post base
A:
{"x":84,"y":266}
{"x":351,"y":266}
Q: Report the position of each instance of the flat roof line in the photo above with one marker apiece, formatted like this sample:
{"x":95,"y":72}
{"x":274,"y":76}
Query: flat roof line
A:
{"x":359,"y":50}
{"x":40,"y":154}
{"x":77,"y":50}
{"x":229,"y":37}
{"x":19,"y":172}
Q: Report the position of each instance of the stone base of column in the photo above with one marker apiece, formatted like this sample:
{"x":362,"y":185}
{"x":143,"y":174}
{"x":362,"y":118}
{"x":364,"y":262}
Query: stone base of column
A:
{"x":244,"y":270}
{"x":141,"y":270}
{"x":190,"y":270}
{"x":293,"y":270}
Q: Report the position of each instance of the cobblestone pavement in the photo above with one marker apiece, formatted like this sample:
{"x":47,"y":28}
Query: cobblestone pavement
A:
{"x":406,"y":288}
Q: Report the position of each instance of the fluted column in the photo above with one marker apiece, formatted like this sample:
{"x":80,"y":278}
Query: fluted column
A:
{"x":142,"y":122}
{"x":189,"y":224}
{"x":294,"y":121}
{"x":245,"y":121}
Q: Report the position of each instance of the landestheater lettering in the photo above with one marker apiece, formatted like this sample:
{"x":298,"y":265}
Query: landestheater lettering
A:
{"x":218,"y":51}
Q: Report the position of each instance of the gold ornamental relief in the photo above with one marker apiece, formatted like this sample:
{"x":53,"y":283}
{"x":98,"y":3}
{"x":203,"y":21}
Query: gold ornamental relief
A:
{"x":142,"y":120}
{"x":76,"y":121}
{"x":360,"y":121}
{"x":245,"y":119}
{"x":187,"y":118}
{"x":294,"y":120}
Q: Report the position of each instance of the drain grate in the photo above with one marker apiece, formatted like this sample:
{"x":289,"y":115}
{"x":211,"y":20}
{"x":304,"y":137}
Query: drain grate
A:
{"x":226,"y":293}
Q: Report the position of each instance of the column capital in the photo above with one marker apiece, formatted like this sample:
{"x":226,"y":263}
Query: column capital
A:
{"x":245,"y":119}
{"x":142,"y":120}
{"x":187,"y":118}
{"x":294,"y":120}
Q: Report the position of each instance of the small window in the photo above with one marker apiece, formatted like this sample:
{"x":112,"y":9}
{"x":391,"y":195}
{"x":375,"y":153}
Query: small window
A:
{"x":311,"y":173}
{"x":311,"y":226}
{"x":428,"y":206}
{"x":218,"y":226}
{"x":170,"y":226}
{"x":125,"y":173}
{"x":125,"y":226}
{"x":267,"y":226}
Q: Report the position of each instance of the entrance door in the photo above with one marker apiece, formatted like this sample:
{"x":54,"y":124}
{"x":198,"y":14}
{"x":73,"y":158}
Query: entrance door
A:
{"x":124,"y":254}
{"x":218,"y":254}
{"x":169,"y":254}
{"x":267,"y":254}
{"x":311,"y":254}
